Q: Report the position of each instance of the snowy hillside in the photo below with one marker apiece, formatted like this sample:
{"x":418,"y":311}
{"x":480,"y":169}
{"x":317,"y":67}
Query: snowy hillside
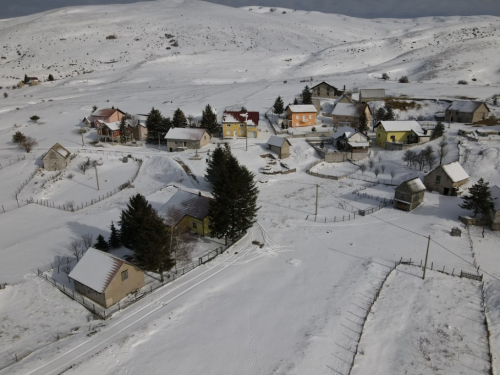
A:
{"x":296,"y":304}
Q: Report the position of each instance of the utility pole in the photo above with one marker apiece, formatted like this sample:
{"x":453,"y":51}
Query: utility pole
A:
{"x":96,"y":177}
{"x":426,"y":256}
{"x":83,"y":143}
{"x":159,"y":142}
{"x":316,"y":212}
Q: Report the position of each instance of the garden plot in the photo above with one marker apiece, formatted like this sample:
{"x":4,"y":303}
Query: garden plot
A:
{"x":73,"y":185}
{"x":431,"y":326}
{"x":371,"y":196}
{"x":334,"y":169}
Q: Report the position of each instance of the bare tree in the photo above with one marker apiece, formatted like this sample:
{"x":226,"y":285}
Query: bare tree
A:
{"x":83,"y":166}
{"x":76,"y":249}
{"x":393,"y":174}
{"x":60,"y":260}
{"x":28,"y":144}
{"x":379,"y":157}
{"x":382,"y":168}
{"x":70,"y":205}
{"x":371,"y":164}
{"x":87,"y":240}
{"x":362,"y":168}
{"x":81,"y":131}
{"x":376,"y":171}
{"x":442,"y":149}
{"x":190,"y":119}
{"x":408,"y":156}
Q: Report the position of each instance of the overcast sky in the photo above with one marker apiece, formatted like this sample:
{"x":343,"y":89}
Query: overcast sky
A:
{"x":355,"y":8}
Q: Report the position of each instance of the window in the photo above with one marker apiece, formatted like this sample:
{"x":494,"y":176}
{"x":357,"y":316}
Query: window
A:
{"x":242,"y":125}
{"x":194,"y":225}
{"x":438,"y":179}
{"x":228,"y":125}
{"x":310,"y":117}
{"x":124,"y":275}
{"x":228,"y":132}
{"x":297,"y":117}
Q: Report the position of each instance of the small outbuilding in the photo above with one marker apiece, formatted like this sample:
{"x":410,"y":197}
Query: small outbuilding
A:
{"x":105,"y":278}
{"x":279,"y":145}
{"x":409,"y":195}
{"x":466,"y":111}
{"x":371,"y":95}
{"x":179,"y":139}
{"x":56,"y":158}
{"x":446,"y":179}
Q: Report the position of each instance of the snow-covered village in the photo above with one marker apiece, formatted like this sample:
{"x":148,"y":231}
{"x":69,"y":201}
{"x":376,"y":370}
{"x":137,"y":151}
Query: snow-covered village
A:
{"x":192,"y":188}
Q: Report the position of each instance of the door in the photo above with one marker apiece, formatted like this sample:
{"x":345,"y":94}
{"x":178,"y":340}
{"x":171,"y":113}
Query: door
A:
{"x":446,"y":191}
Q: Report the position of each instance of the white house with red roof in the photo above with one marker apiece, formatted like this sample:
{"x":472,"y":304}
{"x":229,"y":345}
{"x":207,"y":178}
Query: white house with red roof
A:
{"x":240,"y":124}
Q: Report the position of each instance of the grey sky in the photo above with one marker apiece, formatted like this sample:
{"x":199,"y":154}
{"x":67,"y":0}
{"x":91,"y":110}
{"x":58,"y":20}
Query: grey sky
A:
{"x":355,"y":8}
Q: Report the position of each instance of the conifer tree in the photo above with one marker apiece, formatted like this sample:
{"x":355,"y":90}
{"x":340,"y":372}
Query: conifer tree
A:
{"x":216,"y":163}
{"x":51,"y":77}
{"x":132,"y":220}
{"x":209,"y":120}
{"x":114,"y":238}
{"x":295,"y":101}
{"x":26,"y":79}
{"x":389,"y":114}
{"x":243,"y":109}
{"x":380,"y":115}
{"x":306,"y":96}
{"x":123,"y":131}
{"x":18,"y":137}
{"x":179,"y":119}
{"x":101,"y":243}
{"x":153,"y":124}
{"x":165,"y":126}
{"x":363,"y":123}
{"x":278,"y":106}
{"x":438,"y":131}
{"x":479,"y":199}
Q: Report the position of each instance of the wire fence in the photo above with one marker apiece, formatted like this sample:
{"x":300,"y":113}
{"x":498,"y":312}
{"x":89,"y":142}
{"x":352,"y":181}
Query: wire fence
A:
{"x":9,"y":162}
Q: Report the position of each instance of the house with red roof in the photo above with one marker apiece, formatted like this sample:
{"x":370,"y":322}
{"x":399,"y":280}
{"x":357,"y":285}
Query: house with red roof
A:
{"x":107,"y":115}
{"x":240,"y":124}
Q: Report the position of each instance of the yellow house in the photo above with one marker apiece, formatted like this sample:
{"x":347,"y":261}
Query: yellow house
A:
{"x":240,"y":124}
{"x":398,"y":132}
{"x":300,"y":115}
{"x":189,"y":212}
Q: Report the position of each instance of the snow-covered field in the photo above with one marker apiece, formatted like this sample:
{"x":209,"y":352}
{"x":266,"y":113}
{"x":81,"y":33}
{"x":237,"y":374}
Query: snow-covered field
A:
{"x":284,"y":308}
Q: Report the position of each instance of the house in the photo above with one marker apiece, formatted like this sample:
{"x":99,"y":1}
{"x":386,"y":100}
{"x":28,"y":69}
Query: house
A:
{"x":240,"y":124}
{"x":86,"y":122}
{"x":107,"y":115}
{"x":300,"y":115}
{"x":495,"y":211}
{"x":137,"y":127}
{"x":349,"y":139}
{"x":108,"y":131}
{"x":105,"y":278}
{"x":328,"y":106}
{"x":446,"y":179}
{"x":189,"y":212}
{"x":179,"y":139}
{"x":325,"y":90}
{"x":466,"y":111}
{"x":409,"y":195}
{"x":348,"y":114}
{"x":56,"y":158}
{"x":279,"y":145}
{"x":371,"y":95}
{"x":401,"y":132}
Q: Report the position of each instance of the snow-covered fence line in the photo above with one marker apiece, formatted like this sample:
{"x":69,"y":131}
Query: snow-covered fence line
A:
{"x":487,"y":326}
{"x":373,"y":179}
{"x":320,"y":175}
{"x":17,"y":160}
{"x":26,"y":182}
{"x":270,"y":121}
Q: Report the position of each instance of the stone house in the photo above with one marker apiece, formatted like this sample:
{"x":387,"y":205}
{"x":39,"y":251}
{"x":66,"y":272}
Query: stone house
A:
{"x":409,"y":195}
{"x":280,"y":146}
{"x":180,"y":139}
{"x":107,"y":115}
{"x":371,"y":95}
{"x":325,"y":90}
{"x":300,"y":115}
{"x":446,"y":179}
{"x":189,"y":212}
{"x":105,"y":278}
{"x":466,"y":111}
{"x":495,"y":211}
{"x":56,"y":158}
{"x":240,"y":124}
{"x":348,"y":114}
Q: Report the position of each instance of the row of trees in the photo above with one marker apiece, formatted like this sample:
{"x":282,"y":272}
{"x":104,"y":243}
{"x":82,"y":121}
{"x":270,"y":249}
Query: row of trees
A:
{"x":24,"y":142}
{"x":427,"y":156}
{"x":234,"y":207}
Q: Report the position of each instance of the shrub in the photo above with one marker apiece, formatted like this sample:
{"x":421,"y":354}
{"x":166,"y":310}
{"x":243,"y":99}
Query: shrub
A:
{"x":70,"y":176}
{"x":385,"y":76}
{"x":112,"y":36}
{"x":34,"y":118}
{"x":462,"y":82}
{"x":5,"y":95}
{"x":313,"y":129}
{"x":403,"y":79}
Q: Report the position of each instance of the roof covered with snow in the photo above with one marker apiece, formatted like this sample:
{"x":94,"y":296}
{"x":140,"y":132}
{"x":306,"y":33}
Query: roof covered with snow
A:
{"x":326,"y":83}
{"x":495,"y":195}
{"x":455,"y":171}
{"x":299,"y":108}
{"x":187,"y":203}
{"x":61,"y":150}
{"x":185,"y":134}
{"x":401,"y":126}
{"x":96,"y":269}
{"x":348,"y":109}
{"x":115,"y":125}
{"x":251,"y":118}
{"x":105,"y":112}
{"x":372,"y":93}
{"x":415,"y":185}
{"x":347,"y":130}
{"x":465,"y":106}
{"x":274,"y":140}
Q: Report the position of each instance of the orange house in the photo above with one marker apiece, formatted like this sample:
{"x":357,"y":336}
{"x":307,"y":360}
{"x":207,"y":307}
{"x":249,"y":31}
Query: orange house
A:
{"x":300,"y":115}
{"x":107,"y":115}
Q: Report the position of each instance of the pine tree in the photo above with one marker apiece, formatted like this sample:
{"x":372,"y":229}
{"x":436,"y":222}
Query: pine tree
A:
{"x":243,"y":109}
{"x":18,"y":137}
{"x":295,"y":101}
{"x":153,"y":124}
{"x":123,"y":131}
{"x":26,"y":79}
{"x":363,"y":123}
{"x":165,"y":126}
{"x":209,"y":120}
{"x":216,"y":163}
{"x":380,"y":115}
{"x":479,"y":199}
{"x":132,"y":220}
{"x":114,"y":238}
{"x":51,"y":77}
{"x":389,"y":114}
{"x":101,"y":243}
{"x":179,"y":120}
{"x":306,"y":96}
{"x":438,"y":130}
{"x":278,"y":106}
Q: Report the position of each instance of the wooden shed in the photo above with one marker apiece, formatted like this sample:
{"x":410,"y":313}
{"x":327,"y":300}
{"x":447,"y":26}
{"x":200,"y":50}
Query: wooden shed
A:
{"x":409,"y":195}
{"x":56,"y":158}
{"x":279,"y":145}
{"x":446,"y":179}
{"x":105,"y":278}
